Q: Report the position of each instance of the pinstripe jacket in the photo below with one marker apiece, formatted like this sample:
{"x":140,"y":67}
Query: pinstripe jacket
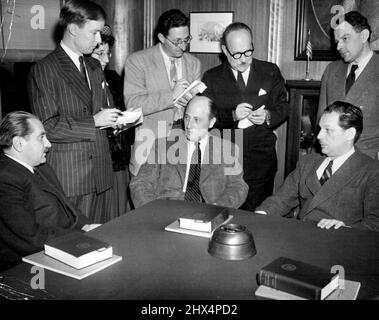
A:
{"x":60,"y":97}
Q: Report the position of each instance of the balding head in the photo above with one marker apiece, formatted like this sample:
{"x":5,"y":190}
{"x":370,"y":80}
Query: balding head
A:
{"x":199,"y":118}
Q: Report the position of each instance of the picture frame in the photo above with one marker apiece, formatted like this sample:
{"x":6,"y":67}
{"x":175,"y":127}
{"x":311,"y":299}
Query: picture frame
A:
{"x":314,"y":16}
{"x":206,"y":29}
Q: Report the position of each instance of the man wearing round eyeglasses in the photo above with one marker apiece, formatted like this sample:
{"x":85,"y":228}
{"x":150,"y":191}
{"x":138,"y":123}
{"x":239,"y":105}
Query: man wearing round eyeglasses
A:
{"x":154,"y":78}
{"x":249,"y":94}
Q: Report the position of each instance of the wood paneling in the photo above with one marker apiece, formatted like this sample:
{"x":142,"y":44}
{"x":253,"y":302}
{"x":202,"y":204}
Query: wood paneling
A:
{"x":254,"y":13}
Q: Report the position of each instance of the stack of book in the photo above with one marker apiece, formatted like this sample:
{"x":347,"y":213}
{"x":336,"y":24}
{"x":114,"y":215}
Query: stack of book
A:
{"x":75,"y":255}
{"x":287,"y":279}
{"x":200,"y":224}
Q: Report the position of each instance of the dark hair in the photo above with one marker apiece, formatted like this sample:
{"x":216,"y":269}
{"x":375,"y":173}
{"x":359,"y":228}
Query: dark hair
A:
{"x":14,"y":124}
{"x":235,"y":27}
{"x":79,"y":11}
{"x":173,"y":18}
{"x":358,"y":22}
{"x":350,"y":116}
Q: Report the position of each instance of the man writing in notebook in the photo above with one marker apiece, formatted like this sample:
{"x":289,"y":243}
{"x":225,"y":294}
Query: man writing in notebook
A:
{"x":338,"y":188}
{"x":192,"y":165}
{"x":34,"y":207}
{"x":155,"y":77}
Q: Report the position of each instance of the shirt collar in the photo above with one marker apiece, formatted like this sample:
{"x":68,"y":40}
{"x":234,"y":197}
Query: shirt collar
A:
{"x":203,"y":144}
{"x":30,"y":168}
{"x":339,"y":161}
{"x":362,"y":61}
{"x":73,"y":55}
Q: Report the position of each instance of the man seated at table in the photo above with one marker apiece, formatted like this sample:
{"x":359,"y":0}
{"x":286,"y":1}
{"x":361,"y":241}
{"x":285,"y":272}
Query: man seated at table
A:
{"x":192,"y":165}
{"x":33,"y":206}
{"x":339,"y":188}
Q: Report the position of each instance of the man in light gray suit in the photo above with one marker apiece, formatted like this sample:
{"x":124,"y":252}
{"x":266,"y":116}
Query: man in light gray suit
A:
{"x":170,"y":171}
{"x":356,"y":78}
{"x":338,"y":189}
{"x":155,"y":77}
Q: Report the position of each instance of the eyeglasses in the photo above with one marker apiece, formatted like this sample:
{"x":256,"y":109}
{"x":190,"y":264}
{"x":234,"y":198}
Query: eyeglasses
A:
{"x":103,"y":54}
{"x":180,"y":42}
{"x":238,"y":55}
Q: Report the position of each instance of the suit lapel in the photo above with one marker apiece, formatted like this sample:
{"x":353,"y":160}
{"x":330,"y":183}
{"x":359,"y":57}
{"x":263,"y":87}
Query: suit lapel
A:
{"x":73,"y":76}
{"x":98,"y":85}
{"x":160,"y":69}
{"x":340,"y":178}
{"x":311,"y":181}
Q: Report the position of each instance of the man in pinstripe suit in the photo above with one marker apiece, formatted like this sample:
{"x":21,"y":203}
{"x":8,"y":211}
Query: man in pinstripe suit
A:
{"x":68,"y":95}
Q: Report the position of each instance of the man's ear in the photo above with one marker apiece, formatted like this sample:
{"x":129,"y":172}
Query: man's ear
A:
{"x":161,"y":37}
{"x":73,"y":29}
{"x":351,"y":132}
{"x":18,"y":143}
{"x":223,"y":48}
{"x":212,"y":123}
{"x":364,"y":35}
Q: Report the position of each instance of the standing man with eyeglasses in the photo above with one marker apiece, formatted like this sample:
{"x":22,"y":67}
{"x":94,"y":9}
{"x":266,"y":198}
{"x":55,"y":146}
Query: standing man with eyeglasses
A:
{"x":249,"y":94}
{"x":154,"y":77}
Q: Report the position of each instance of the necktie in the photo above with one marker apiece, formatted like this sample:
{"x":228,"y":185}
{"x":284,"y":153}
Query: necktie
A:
{"x":350,"y":78}
{"x":240,"y":82}
{"x":193,"y":193}
{"x":327,"y":173}
{"x":172,"y":72}
{"x":83,"y":69}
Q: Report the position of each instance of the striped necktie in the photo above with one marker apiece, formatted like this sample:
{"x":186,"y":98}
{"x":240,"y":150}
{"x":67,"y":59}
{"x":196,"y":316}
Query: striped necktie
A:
{"x":327,"y":173}
{"x":193,"y":193}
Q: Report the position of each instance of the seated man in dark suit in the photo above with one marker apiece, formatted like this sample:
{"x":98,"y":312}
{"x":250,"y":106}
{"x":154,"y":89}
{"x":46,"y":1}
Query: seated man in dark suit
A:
{"x":33,"y":206}
{"x":339,"y":188}
{"x":192,"y":165}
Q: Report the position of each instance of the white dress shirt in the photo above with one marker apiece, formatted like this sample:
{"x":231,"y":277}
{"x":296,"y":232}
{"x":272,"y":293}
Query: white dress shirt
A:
{"x":362,"y":63}
{"x":167,"y":62}
{"x":191,"y":146}
{"x":337,"y":163}
{"x":245,"y":75}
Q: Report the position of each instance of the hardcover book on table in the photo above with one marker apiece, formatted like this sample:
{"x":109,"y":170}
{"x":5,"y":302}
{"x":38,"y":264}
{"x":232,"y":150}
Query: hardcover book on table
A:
{"x":298,"y":278}
{"x":78,"y":250}
{"x":203,"y":221}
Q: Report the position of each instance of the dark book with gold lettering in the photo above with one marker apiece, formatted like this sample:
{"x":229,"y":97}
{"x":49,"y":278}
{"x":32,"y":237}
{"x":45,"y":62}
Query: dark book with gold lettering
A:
{"x":298,"y":278}
{"x":78,"y":250}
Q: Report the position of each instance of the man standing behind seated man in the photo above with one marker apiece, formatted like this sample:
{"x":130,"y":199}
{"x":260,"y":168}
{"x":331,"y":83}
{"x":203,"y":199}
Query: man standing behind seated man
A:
{"x":356,"y":78}
{"x":33,"y":206}
{"x":339,"y":188}
{"x":192,"y":165}
{"x":249,"y":94}
{"x":155,"y":77}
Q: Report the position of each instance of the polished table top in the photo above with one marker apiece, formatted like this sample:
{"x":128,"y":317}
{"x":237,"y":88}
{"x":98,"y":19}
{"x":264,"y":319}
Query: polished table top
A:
{"x":158,"y":264}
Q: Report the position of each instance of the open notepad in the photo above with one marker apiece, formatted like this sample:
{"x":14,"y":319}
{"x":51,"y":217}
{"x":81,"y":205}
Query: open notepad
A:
{"x":129,"y":118}
{"x":194,"y":88}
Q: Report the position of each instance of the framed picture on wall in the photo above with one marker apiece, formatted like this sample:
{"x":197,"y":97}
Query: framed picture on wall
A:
{"x":314,"y":16}
{"x":206,"y":29}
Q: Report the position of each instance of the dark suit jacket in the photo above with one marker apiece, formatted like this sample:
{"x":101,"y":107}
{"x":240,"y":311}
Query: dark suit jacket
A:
{"x":32,"y":209}
{"x":163,"y":176}
{"x":351,"y":195}
{"x":364,"y":94}
{"x":60,"y":97}
{"x":259,"y":156}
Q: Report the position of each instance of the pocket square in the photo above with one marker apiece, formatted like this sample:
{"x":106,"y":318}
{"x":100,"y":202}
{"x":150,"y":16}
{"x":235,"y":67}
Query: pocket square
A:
{"x":262,"y":92}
